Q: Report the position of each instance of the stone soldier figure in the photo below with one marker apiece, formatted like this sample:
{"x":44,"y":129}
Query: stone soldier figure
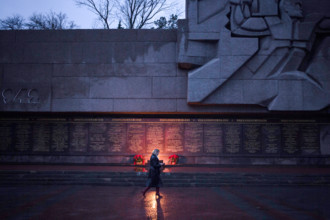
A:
{"x":267,"y":53}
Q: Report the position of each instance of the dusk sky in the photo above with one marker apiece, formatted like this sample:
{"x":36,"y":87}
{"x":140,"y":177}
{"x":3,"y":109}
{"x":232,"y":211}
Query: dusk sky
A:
{"x":84,"y":18}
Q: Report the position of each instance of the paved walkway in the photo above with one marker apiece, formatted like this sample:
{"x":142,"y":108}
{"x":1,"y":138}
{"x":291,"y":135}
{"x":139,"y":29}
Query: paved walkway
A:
{"x":104,"y":202}
{"x":110,"y":202}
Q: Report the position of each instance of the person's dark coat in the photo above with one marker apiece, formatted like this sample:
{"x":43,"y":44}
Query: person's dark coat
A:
{"x":154,"y":179}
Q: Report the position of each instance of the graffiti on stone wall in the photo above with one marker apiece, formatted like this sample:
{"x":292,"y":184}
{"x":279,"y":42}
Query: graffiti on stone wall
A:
{"x":263,"y":52}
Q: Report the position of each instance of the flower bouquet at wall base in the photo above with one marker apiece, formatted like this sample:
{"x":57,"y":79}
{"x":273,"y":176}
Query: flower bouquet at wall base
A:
{"x":173,"y":159}
{"x":138,"y":160}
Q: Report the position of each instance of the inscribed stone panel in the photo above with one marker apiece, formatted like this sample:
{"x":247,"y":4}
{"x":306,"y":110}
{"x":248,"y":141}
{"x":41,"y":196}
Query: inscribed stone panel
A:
{"x":310,"y":139}
{"x":155,"y":136}
{"x":41,"y":137}
{"x":252,"y":138}
{"x":78,"y":137}
{"x":136,"y":138}
{"x":325,"y":139}
{"x":174,"y":138}
{"x":233,"y":138}
{"x":290,"y":138}
{"x":23,"y":136}
{"x":271,"y":138}
{"x":116,"y":135}
{"x":6,"y":136}
{"x":60,"y":137}
{"x":97,"y":137}
{"x":193,"y":138}
{"x":213,"y":138}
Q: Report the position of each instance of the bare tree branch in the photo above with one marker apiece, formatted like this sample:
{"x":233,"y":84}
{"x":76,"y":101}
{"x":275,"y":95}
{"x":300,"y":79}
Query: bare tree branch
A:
{"x":134,"y":14}
{"x":103,"y":9}
{"x":50,"y":21}
{"x":139,"y":13}
{"x":15,"y":22}
{"x":163,"y":23}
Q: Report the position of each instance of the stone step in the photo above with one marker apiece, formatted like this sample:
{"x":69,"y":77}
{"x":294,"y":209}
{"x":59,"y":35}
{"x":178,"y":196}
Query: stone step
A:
{"x":169,"y":179}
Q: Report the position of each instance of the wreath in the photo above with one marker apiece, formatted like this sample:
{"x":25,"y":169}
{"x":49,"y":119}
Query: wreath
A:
{"x":138,"y":159}
{"x":173,"y":159}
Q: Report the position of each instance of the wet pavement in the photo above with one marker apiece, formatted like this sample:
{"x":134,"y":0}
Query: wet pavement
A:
{"x":118,"y":202}
{"x":105,"y":202}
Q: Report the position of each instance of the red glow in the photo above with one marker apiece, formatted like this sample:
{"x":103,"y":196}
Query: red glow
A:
{"x":138,"y":159}
{"x":173,"y":159}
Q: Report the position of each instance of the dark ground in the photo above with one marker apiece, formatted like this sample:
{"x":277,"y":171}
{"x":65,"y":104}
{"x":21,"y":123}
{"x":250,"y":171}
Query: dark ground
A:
{"x":117,"y":202}
{"x":108,"y":202}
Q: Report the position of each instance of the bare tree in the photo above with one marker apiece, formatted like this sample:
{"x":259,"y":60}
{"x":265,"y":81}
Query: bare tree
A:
{"x":50,"y":21}
{"x":133,"y":14}
{"x":136,"y":14}
{"x":163,"y":23}
{"x":102,"y":8}
{"x":15,"y":22}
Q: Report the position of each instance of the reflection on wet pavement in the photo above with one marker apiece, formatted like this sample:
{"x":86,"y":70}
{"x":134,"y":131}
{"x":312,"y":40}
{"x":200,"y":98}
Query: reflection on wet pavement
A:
{"x":109,"y":202}
{"x":153,"y":205}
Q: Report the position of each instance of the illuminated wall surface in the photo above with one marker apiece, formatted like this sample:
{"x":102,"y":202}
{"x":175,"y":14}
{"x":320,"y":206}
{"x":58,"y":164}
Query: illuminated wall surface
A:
{"x":230,"y":57}
{"x":192,"y":139}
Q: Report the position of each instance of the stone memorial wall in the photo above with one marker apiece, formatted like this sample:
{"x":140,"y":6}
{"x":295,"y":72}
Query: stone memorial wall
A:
{"x":228,"y":57}
{"x":117,"y":140}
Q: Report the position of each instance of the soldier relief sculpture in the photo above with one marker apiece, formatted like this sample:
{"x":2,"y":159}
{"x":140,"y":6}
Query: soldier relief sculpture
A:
{"x":256,"y":52}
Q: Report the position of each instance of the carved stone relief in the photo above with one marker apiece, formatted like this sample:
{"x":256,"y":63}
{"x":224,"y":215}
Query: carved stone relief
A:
{"x":256,"y":52}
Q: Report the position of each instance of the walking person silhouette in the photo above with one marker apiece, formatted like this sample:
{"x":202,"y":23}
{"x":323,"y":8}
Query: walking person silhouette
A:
{"x":154,"y":179}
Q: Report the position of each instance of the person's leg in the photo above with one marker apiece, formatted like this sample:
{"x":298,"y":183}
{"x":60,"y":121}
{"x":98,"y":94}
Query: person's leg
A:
{"x":157,"y":192}
{"x":144,"y":192}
